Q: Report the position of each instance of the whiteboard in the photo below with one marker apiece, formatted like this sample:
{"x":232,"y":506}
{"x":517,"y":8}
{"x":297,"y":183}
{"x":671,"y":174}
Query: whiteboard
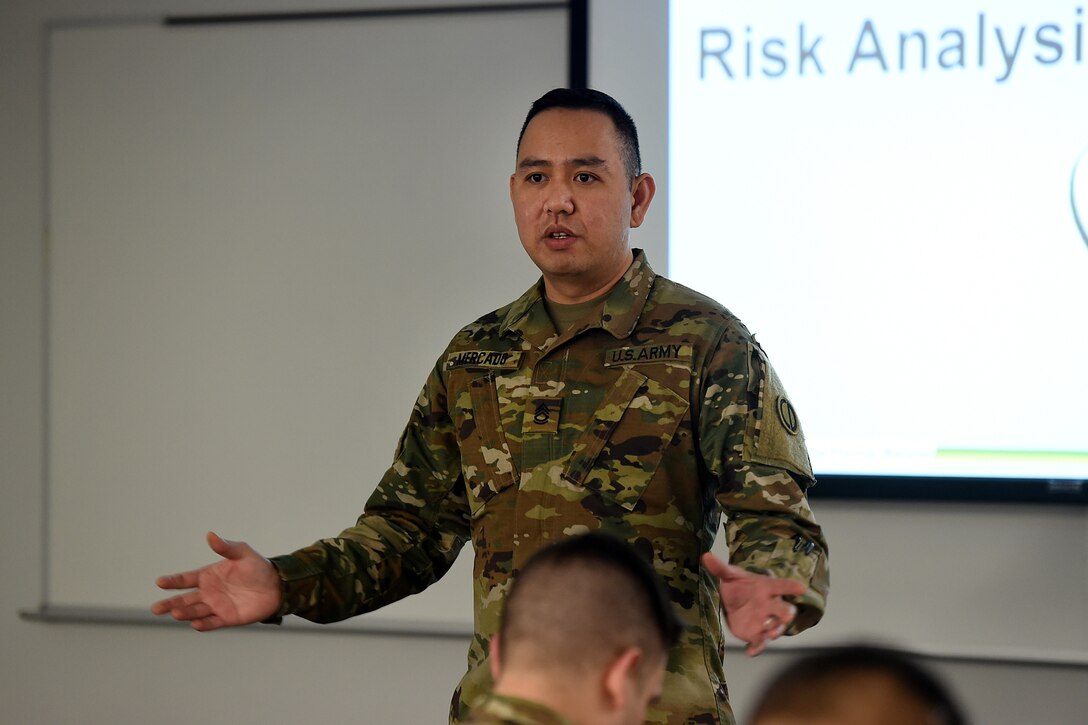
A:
{"x":261,"y":237}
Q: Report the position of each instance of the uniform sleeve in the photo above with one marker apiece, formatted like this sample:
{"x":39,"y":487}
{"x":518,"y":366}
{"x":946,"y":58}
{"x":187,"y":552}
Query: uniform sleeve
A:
{"x":752,"y":443}
{"x":411,"y":530}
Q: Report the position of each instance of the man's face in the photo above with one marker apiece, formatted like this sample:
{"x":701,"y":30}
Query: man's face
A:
{"x":573,"y":203}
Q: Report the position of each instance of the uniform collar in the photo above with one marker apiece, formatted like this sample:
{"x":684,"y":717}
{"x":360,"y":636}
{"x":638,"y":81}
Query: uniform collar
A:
{"x":623,"y":305}
{"x":516,"y":711}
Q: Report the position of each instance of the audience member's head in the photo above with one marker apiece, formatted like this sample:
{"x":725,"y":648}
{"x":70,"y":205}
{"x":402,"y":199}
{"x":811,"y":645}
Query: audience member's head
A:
{"x":586,"y":631}
{"x":856,"y":685}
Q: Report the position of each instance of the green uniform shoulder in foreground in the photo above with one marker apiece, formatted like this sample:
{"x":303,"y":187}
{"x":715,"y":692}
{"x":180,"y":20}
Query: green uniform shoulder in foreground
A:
{"x":500,"y":710}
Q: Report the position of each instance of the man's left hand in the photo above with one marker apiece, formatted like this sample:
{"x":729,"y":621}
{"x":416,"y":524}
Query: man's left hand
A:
{"x":755,"y":610}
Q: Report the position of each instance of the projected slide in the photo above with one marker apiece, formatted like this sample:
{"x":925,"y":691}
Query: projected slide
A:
{"x":895,"y":201}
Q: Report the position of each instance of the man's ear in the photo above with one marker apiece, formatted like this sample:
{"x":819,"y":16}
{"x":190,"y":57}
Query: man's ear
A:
{"x":619,"y":676}
{"x":494,"y":663}
{"x":642,"y":193}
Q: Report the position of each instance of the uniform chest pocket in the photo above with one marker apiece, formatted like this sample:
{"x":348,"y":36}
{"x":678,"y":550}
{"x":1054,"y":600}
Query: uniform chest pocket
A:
{"x":486,"y":462}
{"x":622,"y":447}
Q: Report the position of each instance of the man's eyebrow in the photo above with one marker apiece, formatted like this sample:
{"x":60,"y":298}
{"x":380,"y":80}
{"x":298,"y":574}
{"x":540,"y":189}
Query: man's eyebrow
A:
{"x":588,"y":161}
{"x":532,"y":163}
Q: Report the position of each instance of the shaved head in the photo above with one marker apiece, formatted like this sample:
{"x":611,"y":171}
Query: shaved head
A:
{"x":579,"y":603}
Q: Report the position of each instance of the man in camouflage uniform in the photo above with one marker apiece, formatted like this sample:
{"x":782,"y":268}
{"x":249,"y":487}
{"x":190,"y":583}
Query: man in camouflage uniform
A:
{"x":604,"y":398}
{"x":586,"y":630}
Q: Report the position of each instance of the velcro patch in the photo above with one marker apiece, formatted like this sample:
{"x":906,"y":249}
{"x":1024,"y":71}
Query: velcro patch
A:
{"x":677,"y":353}
{"x":773,"y":435}
{"x":542,"y":415}
{"x":488,"y":359}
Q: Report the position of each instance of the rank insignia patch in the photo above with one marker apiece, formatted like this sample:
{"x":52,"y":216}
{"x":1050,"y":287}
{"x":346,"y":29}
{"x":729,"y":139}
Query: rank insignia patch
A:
{"x":542,"y":415}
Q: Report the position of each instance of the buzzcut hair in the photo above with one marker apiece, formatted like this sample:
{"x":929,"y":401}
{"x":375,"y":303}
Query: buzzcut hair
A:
{"x":818,"y":685}
{"x":588,"y":99}
{"x":582,"y":601}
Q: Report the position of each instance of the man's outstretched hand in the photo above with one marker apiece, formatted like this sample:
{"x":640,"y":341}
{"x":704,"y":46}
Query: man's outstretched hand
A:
{"x":755,"y":610}
{"x":242,"y":588}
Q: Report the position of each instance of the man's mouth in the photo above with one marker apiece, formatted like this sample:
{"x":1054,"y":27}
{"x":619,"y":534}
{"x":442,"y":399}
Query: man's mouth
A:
{"x":558,"y":233}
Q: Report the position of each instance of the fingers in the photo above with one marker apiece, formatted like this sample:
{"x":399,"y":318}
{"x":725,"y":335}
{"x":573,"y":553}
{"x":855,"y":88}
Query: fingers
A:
{"x":776,"y":586}
{"x":776,"y":623}
{"x":207,"y":624}
{"x":781,"y":615}
{"x":784,"y":612}
{"x":786,"y":587}
{"x":189,"y":579}
{"x":773,"y":628}
{"x":225,"y":549}
{"x":756,"y":647}
{"x":190,"y":608}
{"x":161,"y":607}
{"x":755,"y":606}
{"x":188,"y":613}
{"x":199,"y":615}
{"x":723,"y":571}
{"x":714,"y":565}
{"x":182,"y":607}
{"x":184,"y":580}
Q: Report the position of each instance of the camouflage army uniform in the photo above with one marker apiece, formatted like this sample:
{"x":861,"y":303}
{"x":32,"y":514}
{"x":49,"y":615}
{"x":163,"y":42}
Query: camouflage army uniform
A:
{"x":649,"y":420}
{"x":500,"y":710}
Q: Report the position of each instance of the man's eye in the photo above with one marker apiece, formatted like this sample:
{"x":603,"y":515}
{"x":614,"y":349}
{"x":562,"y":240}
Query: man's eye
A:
{"x":535,"y":178}
{"x":583,"y":178}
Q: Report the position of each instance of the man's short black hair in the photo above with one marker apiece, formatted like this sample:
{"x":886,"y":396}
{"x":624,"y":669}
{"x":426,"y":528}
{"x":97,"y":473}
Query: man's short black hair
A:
{"x":585,"y":597}
{"x":815,"y":683}
{"x":587,"y":99}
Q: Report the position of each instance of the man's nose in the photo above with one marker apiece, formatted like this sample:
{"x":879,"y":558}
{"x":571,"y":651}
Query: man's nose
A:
{"x":559,"y":199}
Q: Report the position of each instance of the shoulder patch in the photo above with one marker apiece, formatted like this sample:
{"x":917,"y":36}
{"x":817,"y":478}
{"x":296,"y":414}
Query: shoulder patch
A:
{"x":787,"y":416}
{"x":675,"y":353}
{"x":486,"y":359}
{"x":773,"y":434}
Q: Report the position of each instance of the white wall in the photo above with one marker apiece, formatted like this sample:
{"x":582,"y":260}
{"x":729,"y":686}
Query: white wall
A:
{"x":1017,"y":574}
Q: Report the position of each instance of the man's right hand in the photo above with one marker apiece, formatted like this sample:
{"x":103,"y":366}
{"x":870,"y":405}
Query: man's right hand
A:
{"x":242,"y":588}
